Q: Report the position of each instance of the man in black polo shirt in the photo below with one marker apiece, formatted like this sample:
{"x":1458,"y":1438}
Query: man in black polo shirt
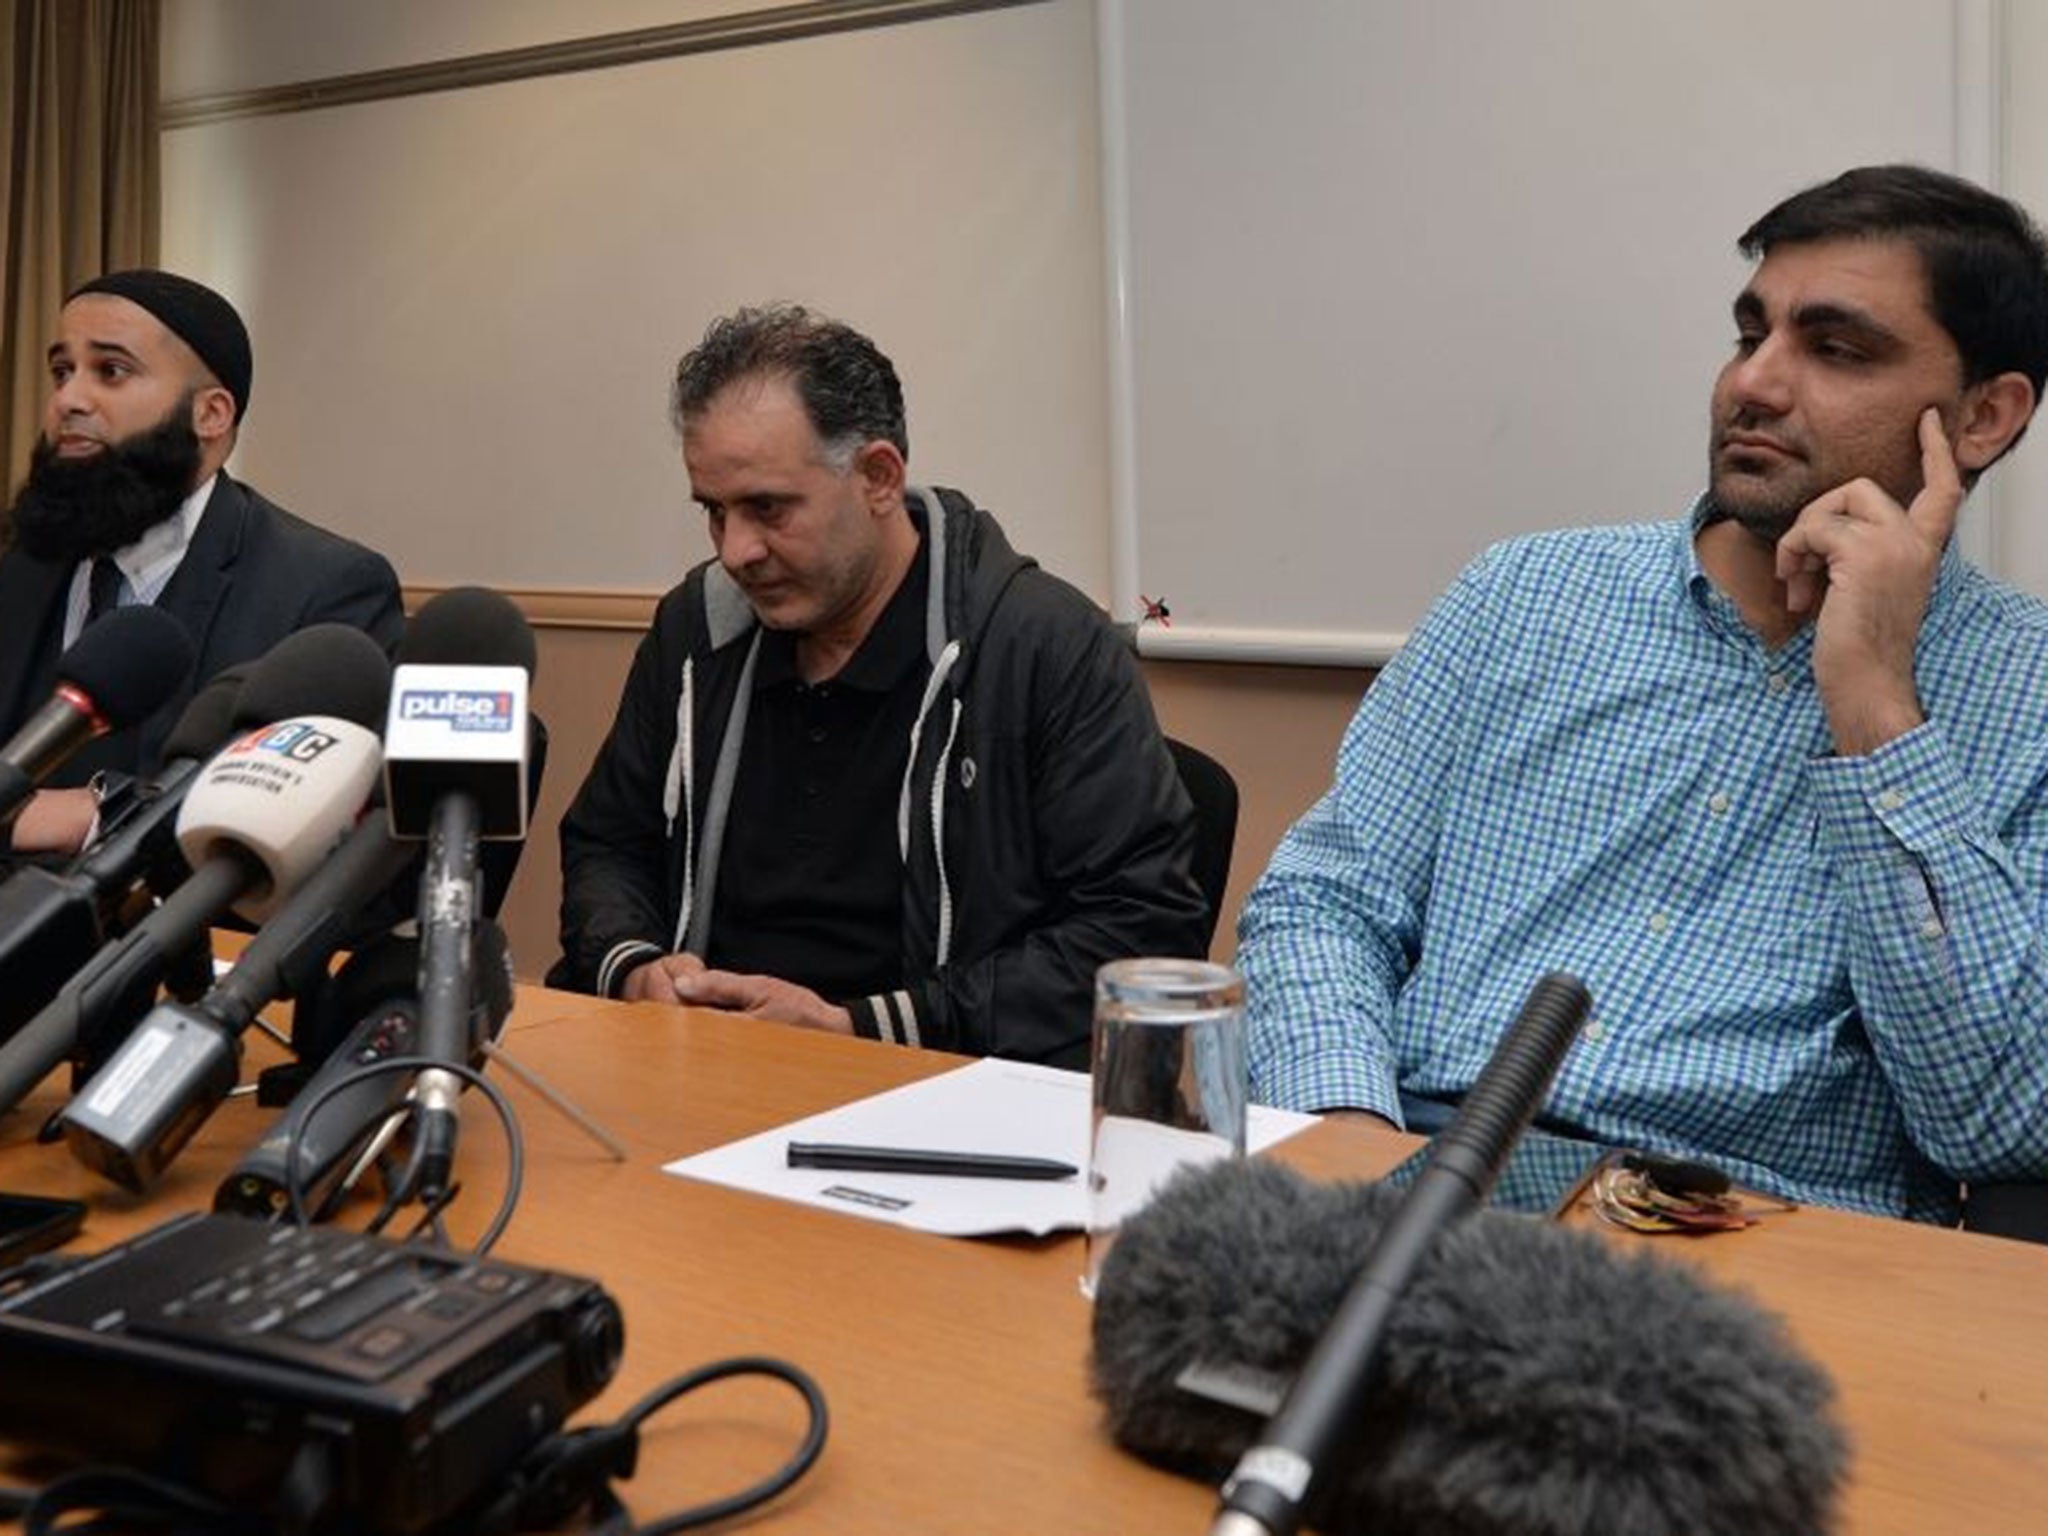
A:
{"x":874,"y":772}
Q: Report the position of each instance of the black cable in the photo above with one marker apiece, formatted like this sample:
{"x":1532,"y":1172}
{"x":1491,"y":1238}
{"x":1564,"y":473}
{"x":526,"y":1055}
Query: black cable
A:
{"x":769,"y":1486}
{"x":365,"y":1158}
{"x":396,"y":1182}
{"x":122,"y":1499}
{"x":515,"y":1146}
{"x":573,"y":1471}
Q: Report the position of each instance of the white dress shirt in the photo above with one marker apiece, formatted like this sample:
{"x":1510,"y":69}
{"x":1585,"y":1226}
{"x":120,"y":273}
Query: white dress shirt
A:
{"x":146,"y":566}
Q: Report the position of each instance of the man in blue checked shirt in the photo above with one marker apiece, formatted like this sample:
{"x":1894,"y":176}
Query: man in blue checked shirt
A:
{"x":1771,"y":778}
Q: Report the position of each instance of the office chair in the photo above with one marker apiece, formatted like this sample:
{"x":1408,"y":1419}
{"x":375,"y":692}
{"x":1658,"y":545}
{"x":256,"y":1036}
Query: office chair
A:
{"x":1214,"y":793}
{"x":2007,"y":1210}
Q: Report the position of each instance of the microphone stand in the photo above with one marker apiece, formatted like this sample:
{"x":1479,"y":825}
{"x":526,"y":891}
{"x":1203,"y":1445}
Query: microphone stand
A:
{"x":556,"y":1100}
{"x":542,"y":1089}
{"x":449,"y":900}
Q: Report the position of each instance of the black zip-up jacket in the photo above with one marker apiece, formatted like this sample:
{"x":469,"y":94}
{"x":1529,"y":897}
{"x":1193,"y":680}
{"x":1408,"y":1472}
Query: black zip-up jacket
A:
{"x":1042,"y":825}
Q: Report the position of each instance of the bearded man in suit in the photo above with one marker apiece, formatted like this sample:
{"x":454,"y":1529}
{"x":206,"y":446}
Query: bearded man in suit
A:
{"x":128,"y":500}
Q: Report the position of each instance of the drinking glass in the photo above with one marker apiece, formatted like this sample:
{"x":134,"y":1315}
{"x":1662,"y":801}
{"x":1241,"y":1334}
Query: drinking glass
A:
{"x":1167,"y":1084}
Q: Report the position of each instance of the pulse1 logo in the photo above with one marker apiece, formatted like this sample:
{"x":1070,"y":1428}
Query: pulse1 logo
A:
{"x":464,"y":709}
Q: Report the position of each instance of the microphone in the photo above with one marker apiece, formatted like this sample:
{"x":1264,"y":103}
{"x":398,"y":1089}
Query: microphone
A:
{"x":332,"y":669}
{"x":142,"y":842}
{"x":455,"y":772}
{"x":52,"y":921}
{"x":117,"y":673}
{"x":274,"y":803}
{"x":1534,"y":1380}
{"x":163,"y":1082}
{"x":323,"y":669}
{"x":1274,"y":1482}
{"x":319,"y":766}
{"x":373,"y":993}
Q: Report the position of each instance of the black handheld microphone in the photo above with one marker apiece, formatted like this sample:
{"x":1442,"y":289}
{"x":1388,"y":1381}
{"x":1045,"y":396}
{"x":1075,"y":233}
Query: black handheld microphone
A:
{"x":138,"y":1111}
{"x":372,"y":1005}
{"x":117,"y":673}
{"x":324,"y":669}
{"x":270,"y":814}
{"x":1277,"y":1478}
{"x":455,"y":771}
{"x":142,"y":842}
{"x":51,"y":921}
{"x":1535,"y":1380}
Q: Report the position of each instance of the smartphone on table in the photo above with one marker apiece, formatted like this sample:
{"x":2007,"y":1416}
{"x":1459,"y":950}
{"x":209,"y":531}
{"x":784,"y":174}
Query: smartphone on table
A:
{"x":1544,"y":1176}
{"x":29,"y":1224}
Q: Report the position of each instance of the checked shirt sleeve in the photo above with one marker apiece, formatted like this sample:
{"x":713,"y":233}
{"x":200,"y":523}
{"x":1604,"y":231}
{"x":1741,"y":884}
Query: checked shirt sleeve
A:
{"x":1947,"y":955}
{"x":1331,"y":931}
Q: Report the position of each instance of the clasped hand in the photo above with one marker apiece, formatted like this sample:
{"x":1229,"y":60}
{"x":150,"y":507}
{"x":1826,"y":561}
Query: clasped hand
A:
{"x":1864,"y":567}
{"x":686,"y":979}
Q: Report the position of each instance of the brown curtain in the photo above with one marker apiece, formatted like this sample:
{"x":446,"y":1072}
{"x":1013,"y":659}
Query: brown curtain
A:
{"x":78,"y":176}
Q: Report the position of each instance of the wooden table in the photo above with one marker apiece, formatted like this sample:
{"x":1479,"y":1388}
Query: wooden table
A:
{"x":956,"y":1369}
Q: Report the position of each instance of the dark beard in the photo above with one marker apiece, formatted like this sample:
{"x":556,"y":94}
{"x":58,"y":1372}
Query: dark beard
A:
{"x":74,"y":509}
{"x":1766,"y":524}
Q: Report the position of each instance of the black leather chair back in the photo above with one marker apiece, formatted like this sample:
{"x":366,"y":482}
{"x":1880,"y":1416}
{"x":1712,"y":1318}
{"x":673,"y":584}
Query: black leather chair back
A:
{"x":1214,"y":793}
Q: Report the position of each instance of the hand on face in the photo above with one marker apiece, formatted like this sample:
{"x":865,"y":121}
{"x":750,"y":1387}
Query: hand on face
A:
{"x":1864,"y":567}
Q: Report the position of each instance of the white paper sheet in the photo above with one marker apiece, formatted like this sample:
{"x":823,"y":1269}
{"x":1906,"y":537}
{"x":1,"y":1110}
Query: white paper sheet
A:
{"x":988,"y":1106}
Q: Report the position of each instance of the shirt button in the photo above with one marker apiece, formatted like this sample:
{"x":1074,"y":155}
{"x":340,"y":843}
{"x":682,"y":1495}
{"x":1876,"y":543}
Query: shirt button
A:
{"x":1659,"y":922}
{"x":1595,"y":1031}
{"x":1717,"y":802}
{"x":1890,"y":800}
{"x":817,"y":734}
{"x":1931,"y":928}
{"x":1777,"y":682}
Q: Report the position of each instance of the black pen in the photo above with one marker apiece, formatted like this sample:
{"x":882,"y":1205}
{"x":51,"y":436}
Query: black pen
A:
{"x":965,"y":1165}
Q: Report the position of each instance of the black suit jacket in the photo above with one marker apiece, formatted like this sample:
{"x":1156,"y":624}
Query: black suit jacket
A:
{"x":252,"y":574}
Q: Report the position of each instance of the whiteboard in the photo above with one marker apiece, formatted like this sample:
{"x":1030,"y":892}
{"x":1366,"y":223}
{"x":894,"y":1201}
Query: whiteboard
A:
{"x":467,"y":306}
{"x":1396,"y":280}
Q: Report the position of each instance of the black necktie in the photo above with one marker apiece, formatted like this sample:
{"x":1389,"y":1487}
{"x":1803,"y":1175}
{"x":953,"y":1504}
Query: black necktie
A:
{"x":103,"y":588}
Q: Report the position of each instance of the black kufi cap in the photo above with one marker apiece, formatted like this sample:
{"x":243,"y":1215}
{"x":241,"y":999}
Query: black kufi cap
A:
{"x":201,"y":318}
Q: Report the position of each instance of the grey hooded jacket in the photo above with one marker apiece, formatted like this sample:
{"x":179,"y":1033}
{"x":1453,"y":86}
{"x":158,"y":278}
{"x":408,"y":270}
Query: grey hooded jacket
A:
{"x":1042,"y":826}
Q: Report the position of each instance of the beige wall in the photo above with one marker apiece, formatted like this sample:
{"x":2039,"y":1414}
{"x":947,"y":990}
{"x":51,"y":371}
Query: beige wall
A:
{"x":467,"y":305}
{"x":1274,"y":728}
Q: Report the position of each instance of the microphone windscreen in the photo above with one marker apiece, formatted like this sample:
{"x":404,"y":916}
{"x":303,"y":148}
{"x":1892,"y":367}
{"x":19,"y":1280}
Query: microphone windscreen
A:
{"x":128,"y":663}
{"x":209,"y":719}
{"x":323,"y":669}
{"x":468,"y":627}
{"x":282,"y":796}
{"x":1532,"y":1379}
